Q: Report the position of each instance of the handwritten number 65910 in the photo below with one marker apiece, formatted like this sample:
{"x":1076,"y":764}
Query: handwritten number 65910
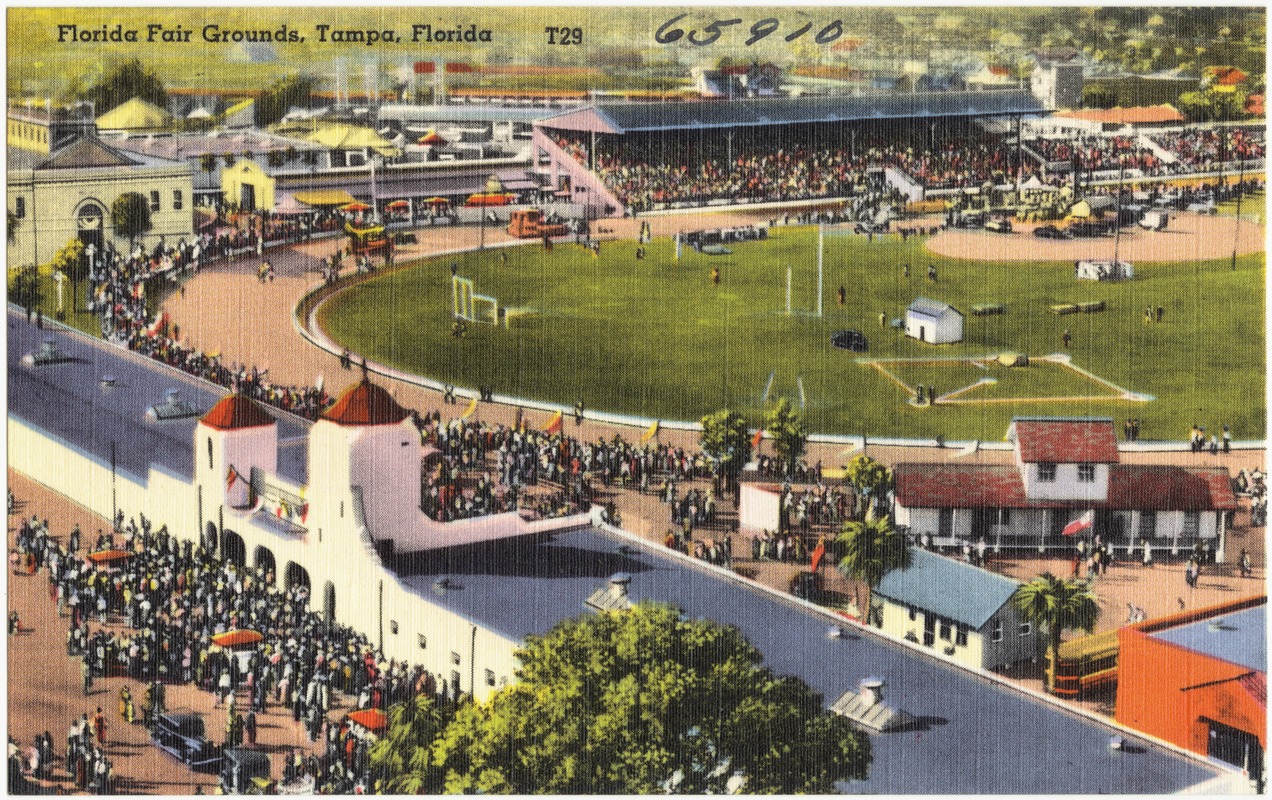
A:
{"x":670,"y":32}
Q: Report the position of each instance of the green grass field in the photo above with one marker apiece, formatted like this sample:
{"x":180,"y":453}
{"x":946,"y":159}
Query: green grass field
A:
{"x":656,"y":338}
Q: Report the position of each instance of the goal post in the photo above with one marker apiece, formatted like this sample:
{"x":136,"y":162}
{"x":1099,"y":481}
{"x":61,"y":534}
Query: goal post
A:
{"x":462,"y":298}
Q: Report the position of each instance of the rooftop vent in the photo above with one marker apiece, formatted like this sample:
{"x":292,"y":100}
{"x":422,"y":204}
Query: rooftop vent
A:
{"x":866,"y":707}
{"x":612,"y":597}
{"x":48,"y":355}
{"x":173,"y":407}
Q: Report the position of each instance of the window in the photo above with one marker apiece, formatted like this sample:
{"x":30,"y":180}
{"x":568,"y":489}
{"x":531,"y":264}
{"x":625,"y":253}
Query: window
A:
{"x":423,"y":641}
{"x":490,"y":677}
{"x":454,"y":657}
{"x":912,"y":615}
{"x":393,"y":627}
{"x":960,"y":638}
{"x":209,"y":452}
{"x":1026,"y":628}
{"x":1192,"y":523}
{"x":1086,"y":473}
{"x":178,"y":202}
{"x":19,"y":207}
{"x":1147,"y":524}
{"x":1004,"y":517}
{"x":154,"y":201}
{"x":996,"y":633}
{"x":1047,"y":472}
{"x":946,"y":630}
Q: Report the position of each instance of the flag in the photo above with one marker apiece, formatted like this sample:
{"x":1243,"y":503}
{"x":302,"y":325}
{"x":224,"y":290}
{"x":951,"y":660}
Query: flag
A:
{"x":231,"y":477}
{"x":554,"y":424}
{"x":818,"y":552}
{"x":1080,"y":524}
{"x":651,"y":433}
{"x":472,"y":407}
{"x":755,"y":440}
{"x":304,"y":512}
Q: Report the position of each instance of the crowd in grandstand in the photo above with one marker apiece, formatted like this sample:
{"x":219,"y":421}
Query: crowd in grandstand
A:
{"x":678,"y":174}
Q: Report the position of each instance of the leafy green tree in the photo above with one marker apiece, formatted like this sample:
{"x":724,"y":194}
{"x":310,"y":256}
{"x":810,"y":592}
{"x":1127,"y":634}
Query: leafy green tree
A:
{"x":790,"y":434}
{"x":867,"y":551}
{"x":640,"y":702}
{"x":1212,"y":106}
{"x":870,"y":479}
{"x":207,"y":162}
{"x":1056,"y":605}
{"x":130,"y":79}
{"x":130,"y":215}
{"x":726,"y":440}
{"x":402,"y":759}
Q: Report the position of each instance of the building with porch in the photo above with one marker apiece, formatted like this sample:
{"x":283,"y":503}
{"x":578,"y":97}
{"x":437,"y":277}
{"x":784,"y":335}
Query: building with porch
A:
{"x":1063,"y":468}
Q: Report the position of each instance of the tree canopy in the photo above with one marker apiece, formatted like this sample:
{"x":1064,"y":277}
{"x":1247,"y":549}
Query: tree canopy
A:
{"x":786,"y":425}
{"x":869,"y":478}
{"x":294,"y":90}
{"x":726,"y":439}
{"x":641,"y":702}
{"x":130,"y":215}
{"x":128,"y":80}
{"x":1056,"y":605}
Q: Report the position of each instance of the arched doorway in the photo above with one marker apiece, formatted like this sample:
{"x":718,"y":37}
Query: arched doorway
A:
{"x":264,"y":560}
{"x":233,"y":550}
{"x":210,"y":538}
{"x":294,"y":576}
{"x":90,"y":222}
{"x":329,"y":602}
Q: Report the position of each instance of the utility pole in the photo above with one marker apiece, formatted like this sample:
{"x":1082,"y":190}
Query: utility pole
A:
{"x":821,"y":241}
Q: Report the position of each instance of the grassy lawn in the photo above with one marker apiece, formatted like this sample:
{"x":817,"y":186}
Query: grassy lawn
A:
{"x":656,"y":338}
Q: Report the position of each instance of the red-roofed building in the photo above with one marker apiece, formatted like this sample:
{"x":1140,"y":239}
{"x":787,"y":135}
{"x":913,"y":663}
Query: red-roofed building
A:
{"x":1065,"y":468}
{"x":1113,"y":118}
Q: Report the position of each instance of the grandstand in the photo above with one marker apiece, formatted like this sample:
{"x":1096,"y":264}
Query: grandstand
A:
{"x":643,"y":157}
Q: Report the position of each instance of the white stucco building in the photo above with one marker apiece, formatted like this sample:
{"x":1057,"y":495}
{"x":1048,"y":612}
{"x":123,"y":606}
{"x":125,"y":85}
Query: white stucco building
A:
{"x":933,"y":321}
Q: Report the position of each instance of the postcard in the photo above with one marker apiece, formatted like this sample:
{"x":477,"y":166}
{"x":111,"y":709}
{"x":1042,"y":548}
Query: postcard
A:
{"x":636,"y":400}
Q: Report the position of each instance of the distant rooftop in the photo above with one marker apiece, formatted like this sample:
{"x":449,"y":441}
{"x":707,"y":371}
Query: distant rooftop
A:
{"x":1064,"y":440}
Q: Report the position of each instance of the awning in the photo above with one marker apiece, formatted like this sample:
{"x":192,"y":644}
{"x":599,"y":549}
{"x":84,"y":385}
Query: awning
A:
{"x":236,"y":638}
{"x":324,"y":197}
{"x":356,"y":205}
{"x":373,"y":719}
{"x":396,"y":205}
{"x":109,"y":556}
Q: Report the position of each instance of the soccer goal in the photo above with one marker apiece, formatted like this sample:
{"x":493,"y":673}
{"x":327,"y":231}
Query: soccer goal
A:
{"x":470,"y":306}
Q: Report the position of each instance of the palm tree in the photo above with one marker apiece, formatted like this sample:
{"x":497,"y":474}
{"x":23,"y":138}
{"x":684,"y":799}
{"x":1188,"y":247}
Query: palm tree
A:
{"x":868,"y":550}
{"x":1057,"y":604}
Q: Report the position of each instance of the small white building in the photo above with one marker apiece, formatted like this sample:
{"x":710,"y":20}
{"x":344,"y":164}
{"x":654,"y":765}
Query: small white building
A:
{"x":934,"y":322}
{"x":1095,"y":270}
{"x":963,"y":611}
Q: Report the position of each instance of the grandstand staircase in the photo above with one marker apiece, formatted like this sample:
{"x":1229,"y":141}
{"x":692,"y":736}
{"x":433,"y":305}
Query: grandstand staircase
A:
{"x":561,"y":163}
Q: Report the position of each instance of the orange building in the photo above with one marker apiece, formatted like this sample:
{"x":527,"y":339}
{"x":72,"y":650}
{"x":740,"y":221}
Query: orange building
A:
{"x":1199,"y":680}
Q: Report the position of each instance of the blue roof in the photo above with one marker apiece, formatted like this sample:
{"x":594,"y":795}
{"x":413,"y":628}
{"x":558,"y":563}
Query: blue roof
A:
{"x":768,"y":111}
{"x":953,"y":589}
{"x":1239,"y":638}
{"x":976,"y":735}
{"x":980,"y":737}
{"x":68,"y":401}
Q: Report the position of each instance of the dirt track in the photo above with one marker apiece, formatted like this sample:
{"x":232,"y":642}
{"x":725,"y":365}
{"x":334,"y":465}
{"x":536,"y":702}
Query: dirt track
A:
{"x":1188,"y":237}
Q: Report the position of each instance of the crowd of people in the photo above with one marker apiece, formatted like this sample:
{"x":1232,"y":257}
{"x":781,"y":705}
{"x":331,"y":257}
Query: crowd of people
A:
{"x":158,"y":610}
{"x":1100,"y":153}
{"x":1209,"y":150}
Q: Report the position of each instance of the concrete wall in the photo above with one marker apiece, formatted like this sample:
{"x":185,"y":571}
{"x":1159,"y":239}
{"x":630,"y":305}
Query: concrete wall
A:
{"x":980,"y":652}
{"x":1066,"y":485}
{"x":945,"y":330}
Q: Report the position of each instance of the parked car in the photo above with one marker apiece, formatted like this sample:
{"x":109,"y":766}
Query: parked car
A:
{"x":998,"y":226}
{"x":182,"y":734}
{"x":1050,"y":232}
{"x":245,"y":771}
{"x":850,"y":340}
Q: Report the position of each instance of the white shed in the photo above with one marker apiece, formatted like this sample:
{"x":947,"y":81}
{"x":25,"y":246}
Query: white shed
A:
{"x":933,"y":321}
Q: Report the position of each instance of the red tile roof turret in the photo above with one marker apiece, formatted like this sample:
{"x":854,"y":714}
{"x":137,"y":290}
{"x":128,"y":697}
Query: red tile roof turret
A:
{"x":234,"y":411}
{"x":366,"y":404}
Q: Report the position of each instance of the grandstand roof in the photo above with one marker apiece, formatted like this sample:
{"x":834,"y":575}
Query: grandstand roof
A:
{"x":667,"y":116}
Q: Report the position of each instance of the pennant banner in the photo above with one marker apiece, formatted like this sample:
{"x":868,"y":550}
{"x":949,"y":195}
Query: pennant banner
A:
{"x":651,"y":433}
